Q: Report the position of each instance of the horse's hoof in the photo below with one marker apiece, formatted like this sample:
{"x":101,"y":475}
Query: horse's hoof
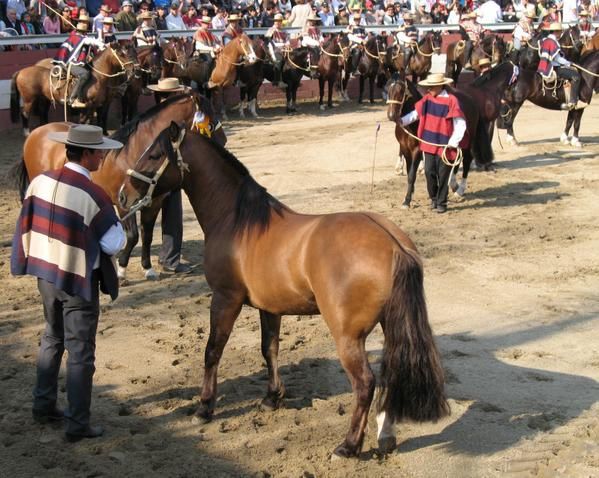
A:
{"x":26,"y":132}
{"x":564,"y":139}
{"x":255,"y":115}
{"x":454,"y":187}
{"x":123,"y":282}
{"x":576,"y":142}
{"x":241,"y":115}
{"x":458,"y":197}
{"x":387,"y":445}
{"x":151,"y":274}
{"x":345,"y":451}
{"x":323,"y":107}
{"x":203,"y":414}
{"x":270,"y":403}
{"x":405,"y":205}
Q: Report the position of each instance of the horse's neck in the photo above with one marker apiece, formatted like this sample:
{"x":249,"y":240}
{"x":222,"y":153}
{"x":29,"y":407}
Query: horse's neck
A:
{"x":426,"y":45}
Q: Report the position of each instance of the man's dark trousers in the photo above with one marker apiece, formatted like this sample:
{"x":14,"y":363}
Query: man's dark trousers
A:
{"x":437,"y":178}
{"x":172,"y":230}
{"x":71,"y":323}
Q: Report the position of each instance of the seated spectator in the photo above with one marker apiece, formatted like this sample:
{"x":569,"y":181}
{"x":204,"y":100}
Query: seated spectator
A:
{"x":36,"y":20}
{"x":160,"y":19}
{"x":99,"y":18}
{"x":26,"y":25}
{"x":190,"y":18}
{"x":342,"y":18}
{"x":327,"y":19}
{"x":126,"y":20}
{"x":489,"y":13}
{"x":438,"y":13}
{"x":219,"y":22}
{"x":66,"y":24}
{"x":51,"y":24}
{"x":12,"y":21}
{"x":454,"y":15}
{"x":509,"y":14}
{"x":18,"y":6}
{"x":369,"y":17}
{"x":173,"y":19}
{"x":285,"y":6}
{"x":389,"y":18}
{"x":266,"y":20}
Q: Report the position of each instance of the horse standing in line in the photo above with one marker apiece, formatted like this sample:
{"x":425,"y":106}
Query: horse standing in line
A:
{"x":530,"y":87}
{"x":252,"y":77}
{"x":403,"y":95}
{"x":420,"y":61}
{"x":328,"y":70}
{"x":492,"y":46}
{"x":111,"y":69}
{"x":40,"y":155}
{"x":356,"y":269}
{"x":366,"y":63}
{"x":147,"y":70}
{"x":570,"y":42}
{"x":295,"y":66}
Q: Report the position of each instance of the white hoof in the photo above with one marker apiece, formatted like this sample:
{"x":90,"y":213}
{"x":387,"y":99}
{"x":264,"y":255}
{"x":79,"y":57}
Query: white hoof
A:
{"x":457,"y":196}
{"x":564,"y":139}
{"x":151,"y":274}
{"x":323,"y":107}
{"x":511,"y":140}
{"x":26,"y":132}
{"x":121,"y":272}
{"x":255,"y":115}
{"x":241,"y":114}
{"x":575,"y":142}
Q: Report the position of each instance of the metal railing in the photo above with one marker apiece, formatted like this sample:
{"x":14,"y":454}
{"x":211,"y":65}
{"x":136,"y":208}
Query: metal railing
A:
{"x":56,"y":39}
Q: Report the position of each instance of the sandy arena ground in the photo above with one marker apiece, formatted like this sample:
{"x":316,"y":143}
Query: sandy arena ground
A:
{"x":512,"y":281}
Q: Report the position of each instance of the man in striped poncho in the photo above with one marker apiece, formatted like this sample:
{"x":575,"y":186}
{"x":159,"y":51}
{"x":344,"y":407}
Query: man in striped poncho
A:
{"x":65,"y":234}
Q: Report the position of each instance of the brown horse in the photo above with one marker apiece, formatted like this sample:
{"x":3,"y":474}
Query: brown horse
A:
{"x":356,"y":269}
{"x":367,"y":62}
{"x":252,"y":77}
{"x":112,"y":68}
{"x":569,"y":41}
{"x":40,"y":155}
{"x":175,"y":57}
{"x":420,"y":60}
{"x":329,"y":68}
{"x":592,"y":44}
{"x":491,"y":46}
{"x":403,"y":95}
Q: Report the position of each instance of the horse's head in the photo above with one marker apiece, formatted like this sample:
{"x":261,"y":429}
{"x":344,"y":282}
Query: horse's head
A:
{"x":397,"y":93}
{"x":158,"y":170}
{"x":149,"y":60}
{"x":313,"y":59}
{"x":246,"y":49}
{"x":437,"y":41}
{"x":571,"y":39}
{"x":499,"y":50}
{"x":174,"y":53}
{"x":344,"y":45}
{"x":122,"y":58}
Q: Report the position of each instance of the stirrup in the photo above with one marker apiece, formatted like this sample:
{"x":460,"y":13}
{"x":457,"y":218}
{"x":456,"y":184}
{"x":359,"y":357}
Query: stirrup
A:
{"x":580,"y":105}
{"x":77,"y":103}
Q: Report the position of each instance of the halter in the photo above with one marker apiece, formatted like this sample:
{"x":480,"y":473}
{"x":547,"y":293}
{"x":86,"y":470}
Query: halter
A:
{"x":122,"y":64}
{"x":180,"y":63}
{"x":147,"y":199}
{"x":433,"y":47}
{"x":287,"y":53}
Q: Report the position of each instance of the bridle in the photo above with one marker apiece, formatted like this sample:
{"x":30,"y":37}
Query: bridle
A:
{"x":153,"y":181}
{"x":179,"y":62}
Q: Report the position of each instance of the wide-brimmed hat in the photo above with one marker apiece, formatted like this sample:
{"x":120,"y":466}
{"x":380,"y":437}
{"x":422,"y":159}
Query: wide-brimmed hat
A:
{"x":127,"y":3}
{"x":435,"y":79}
{"x":583,"y":13}
{"x":206,"y":20}
{"x":105,"y":8}
{"x":357,"y":16}
{"x":81,"y":27}
{"x":234,"y":17}
{"x":85,"y":136}
{"x":167,"y":85}
{"x":314,"y":18}
{"x":530,"y":14}
{"x":408,"y":16}
{"x":108,"y":20}
{"x":145,"y":16}
{"x":278,"y":17}
{"x":484,"y":62}
{"x":553,"y":27}
{"x":83,"y":18}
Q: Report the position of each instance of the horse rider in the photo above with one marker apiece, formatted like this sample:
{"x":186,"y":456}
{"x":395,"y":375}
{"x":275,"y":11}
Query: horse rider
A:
{"x":77,"y":52}
{"x":206,"y":44}
{"x":407,"y":39}
{"x":145,"y":34}
{"x":522,"y":33}
{"x":233,"y":29}
{"x":278,"y":40}
{"x":474,"y":31}
{"x":106,"y":34}
{"x":585,"y":26}
{"x":172,"y":206}
{"x":312,"y":36}
{"x":68,"y":250}
{"x":356,"y":33}
{"x":552,"y":59}
{"x":441,"y":122}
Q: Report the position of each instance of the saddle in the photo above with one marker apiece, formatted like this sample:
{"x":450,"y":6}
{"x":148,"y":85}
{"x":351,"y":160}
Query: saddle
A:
{"x":58,"y":81}
{"x":553,"y":83}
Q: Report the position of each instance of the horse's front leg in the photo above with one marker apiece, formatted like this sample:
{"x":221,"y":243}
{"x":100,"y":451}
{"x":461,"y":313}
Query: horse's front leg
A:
{"x":577,"y":117}
{"x":413,"y":160}
{"x":331,"y":83}
{"x":224,"y":309}
{"x":461,"y":190}
{"x":147,"y":221}
{"x":242,"y":95}
{"x":371,"y":85}
{"x":132,"y":233}
{"x":361,"y":93}
{"x":321,"y":92}
{"x":271,"y":327}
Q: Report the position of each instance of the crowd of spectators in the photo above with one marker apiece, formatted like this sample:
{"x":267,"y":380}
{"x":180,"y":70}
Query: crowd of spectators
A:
{"x":26,"y":17}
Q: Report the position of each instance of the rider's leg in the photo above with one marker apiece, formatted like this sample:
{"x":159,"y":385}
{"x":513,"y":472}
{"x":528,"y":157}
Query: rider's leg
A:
{"x":81,"y":75}
{"x":574,"y":77}
{"x":468,"y":51}
{"x":407,"y":55}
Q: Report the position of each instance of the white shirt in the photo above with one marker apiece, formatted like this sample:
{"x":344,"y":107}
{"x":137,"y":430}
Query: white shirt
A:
{"x":219,"y":23}
{"x":175,"y":22}
{"x":569,"y":11}
{"x":489,"y":12}
{"x":114,"y":239}
{"x":459,"y":125}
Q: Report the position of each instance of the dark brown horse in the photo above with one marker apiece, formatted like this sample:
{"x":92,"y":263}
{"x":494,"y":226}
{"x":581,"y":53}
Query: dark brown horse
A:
{"x":421,"y":59}
{"x":356,"y":269}
{"x":139,"y":137}
{"x":367,"y":62}
{"x":112,"y":68}
{"x":175,"y":58}
{"x":331,"y":57}
{"x":491,"y":46}
{"x":147,"y":70}
{"x":570,"y":43}
{"x":403,"y":95}
{"x":295,"y":66}
{"x":530,"y":87}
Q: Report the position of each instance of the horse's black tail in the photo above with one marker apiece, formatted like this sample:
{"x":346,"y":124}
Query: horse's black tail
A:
{"x":15,"y":106}
{"x":412,"y":377}
{"x":18,"y":173}
{"x":481,"y":148}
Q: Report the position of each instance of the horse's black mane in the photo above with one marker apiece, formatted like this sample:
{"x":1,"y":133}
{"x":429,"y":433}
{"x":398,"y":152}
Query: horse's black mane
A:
{"x":254,"y":204}
{"x":129,"y":128}
{"x":489,"y":75}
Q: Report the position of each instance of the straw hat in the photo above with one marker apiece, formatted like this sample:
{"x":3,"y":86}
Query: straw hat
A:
{"x":407,"y":16}
{"x":357,"y":16}
{"x":146,"y":16}
{"x":278,"y":17}
{"x":471,"y":15}
{"x":234,"y":17}
{"x":85,"y":136}
{"x":168,"y":85}
{"x":206,"y":20}
{"x":484,"y":62}
{"x":435,"y":79}
{"x":530,"y":14}
{"x":108,"y":20}
{"x":313,"y":18}
{"x":105,"y":8}
{"x":81,"y":27}
{"x":553,"y":27}
{"x":83,"y":18}
{"x":584,"y":13}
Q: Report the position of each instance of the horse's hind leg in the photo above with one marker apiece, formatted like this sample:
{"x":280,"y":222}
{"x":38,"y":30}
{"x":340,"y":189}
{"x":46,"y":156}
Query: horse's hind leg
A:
{"x":321,"y":92}
{"x":271,"y":327}
{"x":331,"y":83}
{"x":224,"y":310}
{"x":371,"y":85}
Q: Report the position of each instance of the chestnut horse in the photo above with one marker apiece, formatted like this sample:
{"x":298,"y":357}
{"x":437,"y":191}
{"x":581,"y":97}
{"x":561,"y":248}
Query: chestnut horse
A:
{"x":356,"y":269}
{"x":491,"y":46}
{"x":41,"y":154}
{"x":530,"y":87}
{"x":239,"y":51}
{"x":112,"y":68}
{"x":403,"y":96}
{"x":592,"y":44}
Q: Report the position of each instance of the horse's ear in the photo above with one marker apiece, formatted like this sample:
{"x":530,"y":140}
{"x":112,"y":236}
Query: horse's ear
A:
{"x":173,"y":131}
